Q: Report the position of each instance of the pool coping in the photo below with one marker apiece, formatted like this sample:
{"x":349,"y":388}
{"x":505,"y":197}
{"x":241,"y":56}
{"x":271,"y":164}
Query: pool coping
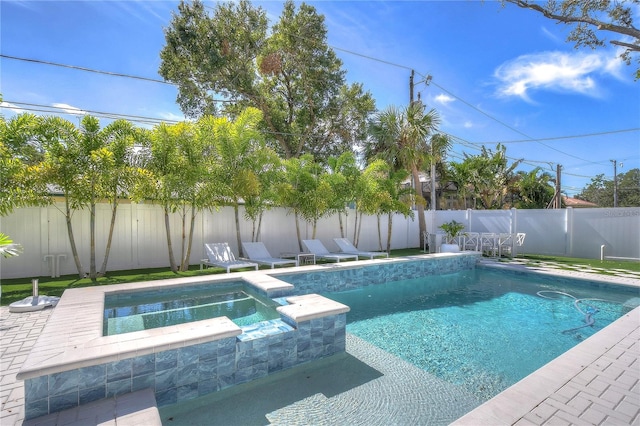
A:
{"x":556,"y":391}
{"x":73,"y":336}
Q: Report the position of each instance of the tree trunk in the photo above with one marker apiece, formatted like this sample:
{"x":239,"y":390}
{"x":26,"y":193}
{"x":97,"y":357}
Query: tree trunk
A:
{"x":185,"y":260}
{"x":356,"y":242}
{"x":341,"y":225}
{"x":238,"y":237}
{"x":389,"y":228}
{"x":298,"y":231}
{"x":92,"y":242}
{"x":379,"y":233}
{"x":72,"y":241}
{"x":183,"y":236}
{"x":419,"y":205}
{"x":355,"y":228}
{"x":259,"y":227}
{"x":167,"y":227}
{"x":112,"y":225}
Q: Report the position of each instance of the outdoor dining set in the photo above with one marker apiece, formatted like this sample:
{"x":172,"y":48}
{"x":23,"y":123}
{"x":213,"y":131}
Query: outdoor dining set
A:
{"x":491,"y":244}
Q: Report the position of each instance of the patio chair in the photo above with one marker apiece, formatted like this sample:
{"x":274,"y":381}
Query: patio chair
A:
{"x":471,"y":241}
{"x":257,"y":252}
{"x":346,"y":247}
{"x":489,"y":244}
{"x":316,"y":247}
{"x":220,"y":255}
{"x":505,"y":244}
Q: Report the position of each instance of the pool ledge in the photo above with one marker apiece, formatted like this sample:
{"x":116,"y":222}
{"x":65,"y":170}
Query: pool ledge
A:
{"x":72,"y":338}
{"x":311,"y":306}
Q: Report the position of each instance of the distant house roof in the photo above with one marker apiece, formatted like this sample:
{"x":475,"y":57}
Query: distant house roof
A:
{"x":574,"y":202}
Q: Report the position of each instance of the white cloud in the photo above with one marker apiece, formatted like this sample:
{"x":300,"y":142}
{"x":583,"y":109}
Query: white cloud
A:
{"x":468,"y":124}
{"x":69,"y":109}
{"x":12,"y":107}
{"x":444,"y":99}
{"x":552,"y":71}
{"x":170,"y":116}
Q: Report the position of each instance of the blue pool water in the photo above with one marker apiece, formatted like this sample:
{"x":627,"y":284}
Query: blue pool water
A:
{"x":128,"y":312}
{"x":479,"y":329}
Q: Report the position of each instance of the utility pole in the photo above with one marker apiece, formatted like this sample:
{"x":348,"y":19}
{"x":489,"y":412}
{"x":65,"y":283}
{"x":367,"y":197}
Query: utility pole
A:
{"x":432,"y":172}
{"x":411,"y":87}
{"x":558,"y":187}
{"x":615,"y":183}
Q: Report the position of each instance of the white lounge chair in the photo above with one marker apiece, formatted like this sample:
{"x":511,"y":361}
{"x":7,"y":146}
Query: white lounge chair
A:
{"x":257,"y":252}
{"x":220,"y":255}
{"x":347,"y":247}
{"x":316,"y":247}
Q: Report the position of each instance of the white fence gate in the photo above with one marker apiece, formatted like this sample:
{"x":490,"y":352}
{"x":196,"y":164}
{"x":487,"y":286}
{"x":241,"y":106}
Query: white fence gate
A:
{"x":139,"y":239}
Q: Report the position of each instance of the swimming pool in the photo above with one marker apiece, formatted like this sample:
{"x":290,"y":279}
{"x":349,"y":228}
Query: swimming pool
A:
{"x":480,"y":329}
{"x":148,"y":309}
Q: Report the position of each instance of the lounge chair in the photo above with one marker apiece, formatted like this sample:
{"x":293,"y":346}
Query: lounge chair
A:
{"x":316,"y":247}
{"x":220,"y":255}
{"x":258,"y":253}
{"x":346,"y":247}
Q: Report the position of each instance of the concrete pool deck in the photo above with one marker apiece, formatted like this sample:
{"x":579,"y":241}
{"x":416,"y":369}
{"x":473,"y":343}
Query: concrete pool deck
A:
{"x":596,"y":382}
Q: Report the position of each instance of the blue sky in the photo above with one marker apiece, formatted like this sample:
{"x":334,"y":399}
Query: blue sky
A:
{"x":499,"y":74}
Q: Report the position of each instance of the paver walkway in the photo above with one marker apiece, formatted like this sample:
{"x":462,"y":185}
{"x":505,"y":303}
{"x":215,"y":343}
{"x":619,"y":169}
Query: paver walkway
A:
{"x":18,"y":333}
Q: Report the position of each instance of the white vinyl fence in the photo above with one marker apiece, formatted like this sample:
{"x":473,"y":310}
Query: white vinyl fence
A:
{"x":139,"y":239}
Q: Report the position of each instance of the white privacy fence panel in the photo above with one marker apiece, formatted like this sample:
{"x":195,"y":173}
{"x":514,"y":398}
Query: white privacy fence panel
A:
{"x":139,"y":239}
{"x":546,"y":231}
{"x":617,"y":229}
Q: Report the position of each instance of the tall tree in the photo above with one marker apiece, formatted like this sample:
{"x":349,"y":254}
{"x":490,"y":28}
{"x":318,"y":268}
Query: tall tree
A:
{"x":176,"y":161}
{"x":305,"y":191}
{"x":62,"y":167}
{"x":20,"y":150}
{"x":120,"y":137}
{"x":239,"y":146}
{"x":439,"y":145}
{"x":343,"y":177}
{"x":289,"y":73}
{"x":591,"y":18}
{"x":600,"y":190}
{"x":400,"y":137}
{"x":534,"y":189}
{"x":491,"y":176}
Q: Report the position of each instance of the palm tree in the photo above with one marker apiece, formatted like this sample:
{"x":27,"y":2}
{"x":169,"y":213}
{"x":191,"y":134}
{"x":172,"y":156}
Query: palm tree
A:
{"x":439,"y":144}
{"x":242,"y":158}
{"x":7,"y":247}
{"x":534,"y":189}
{"x":400,"y":137}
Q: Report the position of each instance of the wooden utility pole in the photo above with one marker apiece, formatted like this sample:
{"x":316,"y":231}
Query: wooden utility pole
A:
{"x":411,"y":86}
{"x":558,"y":202}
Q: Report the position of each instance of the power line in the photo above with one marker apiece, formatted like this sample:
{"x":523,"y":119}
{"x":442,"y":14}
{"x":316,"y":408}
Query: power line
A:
{"x":75,"y":67}
{"x":610,"y":132}
{"x":62,"y":110}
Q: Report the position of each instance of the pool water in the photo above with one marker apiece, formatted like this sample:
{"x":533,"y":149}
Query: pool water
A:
{"x":479,"y":329}
{"x":128,"y":312}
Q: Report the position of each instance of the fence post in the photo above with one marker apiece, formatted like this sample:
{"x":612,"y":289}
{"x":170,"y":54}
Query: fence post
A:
{"x":569,"y":231}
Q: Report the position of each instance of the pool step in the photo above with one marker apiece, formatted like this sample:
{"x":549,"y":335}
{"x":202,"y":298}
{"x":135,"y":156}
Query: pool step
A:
{"x":632,"y":303}
{"x":136,"y":408}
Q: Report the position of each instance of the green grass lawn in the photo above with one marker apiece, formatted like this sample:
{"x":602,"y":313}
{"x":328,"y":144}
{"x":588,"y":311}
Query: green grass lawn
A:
{"x":18,"y":289}
{"x":571,"y":263}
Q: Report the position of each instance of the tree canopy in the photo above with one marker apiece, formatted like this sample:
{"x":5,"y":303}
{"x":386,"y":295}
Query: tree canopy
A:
{"x":600,"y":190}
{"x":230,"y":60}
{"x":591,"y":20}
